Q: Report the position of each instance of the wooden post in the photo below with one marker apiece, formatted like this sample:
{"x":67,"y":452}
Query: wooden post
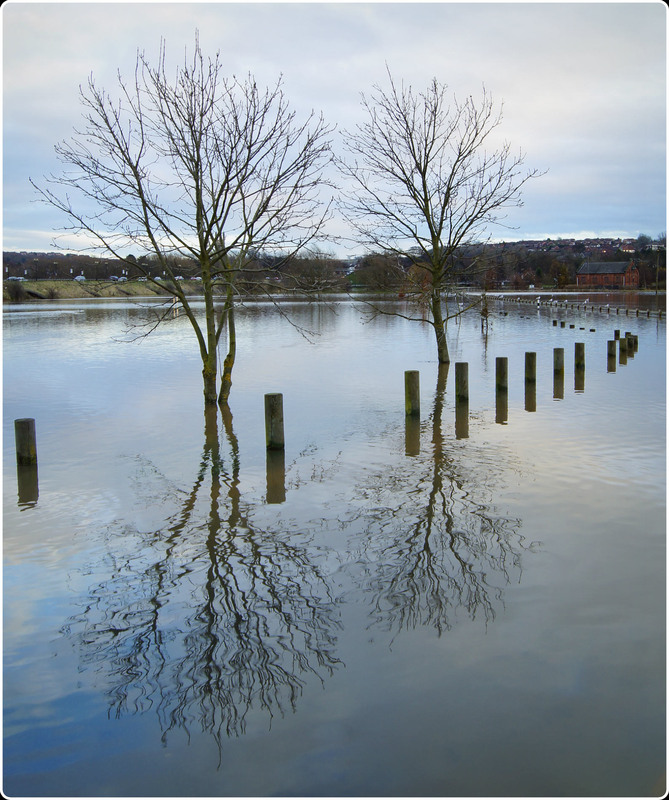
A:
{"x":530,"y":367}
{"x":462,"y":382}
{"x":501,"y":390}
{"x":616,"y":334}
{"x":558,"y":359}
{"x":274,"y":422}
{"x":579,"y":366}
{"x":555,"y":323}
{"x":412,"y":392}
{"x":622,"y":350}
{"x":461,"y":400}
{"x":26,"y":442}
{"x":502,"y":373}
{"x":611,"y":355}
{"x":530,"y":381}
{"x":558,"y":373}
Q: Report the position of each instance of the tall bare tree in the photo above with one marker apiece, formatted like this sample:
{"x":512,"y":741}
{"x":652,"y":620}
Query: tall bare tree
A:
{"x":200,"y":166}
{"x":424,"y":186}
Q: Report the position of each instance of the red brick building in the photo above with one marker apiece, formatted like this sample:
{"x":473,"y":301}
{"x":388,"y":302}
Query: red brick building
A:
{"x":609,"y":275}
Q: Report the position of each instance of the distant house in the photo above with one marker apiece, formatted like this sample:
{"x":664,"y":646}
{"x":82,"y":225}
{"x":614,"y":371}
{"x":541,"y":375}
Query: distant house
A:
{"x":608,"y":275}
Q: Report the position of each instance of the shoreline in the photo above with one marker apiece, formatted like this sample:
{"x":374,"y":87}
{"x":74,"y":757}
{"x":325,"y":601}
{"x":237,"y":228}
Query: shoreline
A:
{"x":54,"y":289}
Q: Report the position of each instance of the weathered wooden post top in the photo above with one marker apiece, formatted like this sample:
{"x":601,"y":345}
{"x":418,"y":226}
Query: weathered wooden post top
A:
{"x":274,"y":421}
{"x":462,"y":382}
{"x":502,"y":373}
{"x":412,"y":392}
{"x":26,"y":442}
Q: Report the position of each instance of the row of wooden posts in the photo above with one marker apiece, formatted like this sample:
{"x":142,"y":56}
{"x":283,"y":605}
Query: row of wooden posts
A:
{"x":587,"y":306}
{"x":622,"y":347}
{"x":625,"y":345}
{"x":26,"y":445}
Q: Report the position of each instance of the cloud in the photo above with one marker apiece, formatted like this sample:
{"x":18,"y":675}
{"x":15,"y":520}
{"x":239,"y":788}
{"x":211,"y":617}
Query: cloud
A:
{"x":583,"y":84}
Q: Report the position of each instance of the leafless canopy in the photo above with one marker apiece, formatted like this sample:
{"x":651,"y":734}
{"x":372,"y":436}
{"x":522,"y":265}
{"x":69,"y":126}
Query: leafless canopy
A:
{"x":200,"y":166}
{"x":424,"y":185}
{"x":421,"y":175}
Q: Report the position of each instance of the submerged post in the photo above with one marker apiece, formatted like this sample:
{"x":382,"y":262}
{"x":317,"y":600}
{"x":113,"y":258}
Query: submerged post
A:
{"x":630,"y":345}
{"x":26,"y":442}
{"x":530,"y":367}
{"x":558,"y":359}
{"x":501,"y":390}
{"x":622,"y":350}
{"x":26,"y":461}
{"x":274,"y":421}
{"x":611,"y":355}
{"x":502,"y":373}
{"x":412,"y":393}
{"x":462,"y":382}
{"x":461,"y":400}
{"x":558,"y":373}
{"x":579,"y":367}
{"x":530,"y":381}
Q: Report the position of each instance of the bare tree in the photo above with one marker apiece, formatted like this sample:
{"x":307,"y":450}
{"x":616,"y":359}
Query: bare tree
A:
{"x":423,"y":186}
{"x":200,"y":166}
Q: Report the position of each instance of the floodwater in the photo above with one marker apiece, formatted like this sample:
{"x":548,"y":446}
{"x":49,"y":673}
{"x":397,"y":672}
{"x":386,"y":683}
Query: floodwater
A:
{"x":390,"y":607}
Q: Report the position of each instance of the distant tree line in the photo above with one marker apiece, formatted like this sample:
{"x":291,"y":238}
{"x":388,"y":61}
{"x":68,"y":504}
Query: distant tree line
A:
{"x":507,"y":265}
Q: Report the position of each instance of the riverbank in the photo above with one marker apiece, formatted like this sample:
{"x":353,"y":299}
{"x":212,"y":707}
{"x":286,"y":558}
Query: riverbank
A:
{"x":13,"y":291}
{"x":53,"y":289}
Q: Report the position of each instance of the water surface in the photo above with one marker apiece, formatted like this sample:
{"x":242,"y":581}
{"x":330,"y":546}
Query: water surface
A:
{"x":391,"y":608}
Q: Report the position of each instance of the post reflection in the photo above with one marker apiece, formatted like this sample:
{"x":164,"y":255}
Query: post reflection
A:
{"x":28,"y":485}
{"x":501,"y":406}
{"x":276,"y":476}
{"x":411,"y":435}
{"x":440,"y":546}
{"x":208,"y":617}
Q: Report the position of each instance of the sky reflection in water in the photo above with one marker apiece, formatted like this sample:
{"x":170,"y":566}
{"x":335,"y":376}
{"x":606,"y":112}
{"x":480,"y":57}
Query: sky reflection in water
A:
{"x":445,"y":614}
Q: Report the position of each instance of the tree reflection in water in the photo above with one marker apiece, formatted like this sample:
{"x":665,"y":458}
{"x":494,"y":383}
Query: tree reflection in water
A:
{"x":208,"y":617}
{"x":432,"y":543}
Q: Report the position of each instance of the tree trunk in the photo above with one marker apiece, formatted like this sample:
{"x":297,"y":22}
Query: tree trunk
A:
{"x":439,"y":330}
{"x":228,"y":364}
{"x":209,"y":379}
{"x":208,"y":347}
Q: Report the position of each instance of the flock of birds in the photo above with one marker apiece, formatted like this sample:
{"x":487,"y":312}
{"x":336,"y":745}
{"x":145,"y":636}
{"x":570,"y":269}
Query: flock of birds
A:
{"x":551,"y":301}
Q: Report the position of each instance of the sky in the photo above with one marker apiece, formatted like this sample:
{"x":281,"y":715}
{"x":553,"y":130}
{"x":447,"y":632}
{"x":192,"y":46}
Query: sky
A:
{"x":582,"y":87}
